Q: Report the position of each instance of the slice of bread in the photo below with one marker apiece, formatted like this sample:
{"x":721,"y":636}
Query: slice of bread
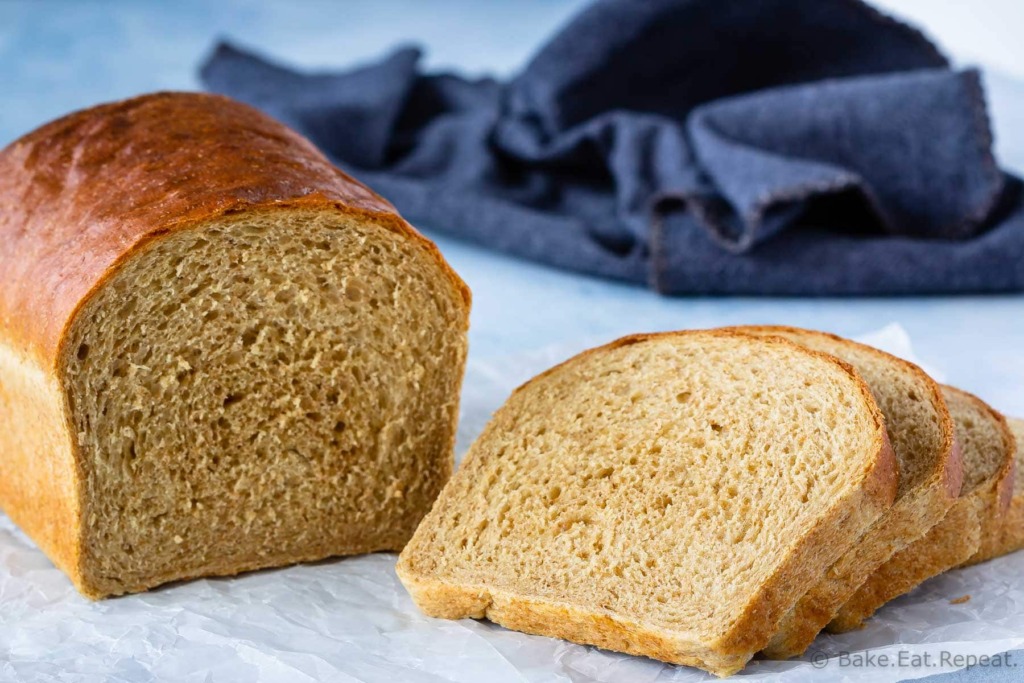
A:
{"x":668,"y":495}
{"x":922,"y":436}
{"x":971,"y":531}
{"x":1012,"y":537}
{"x":994,"y":503}
{"x":217,"y":351}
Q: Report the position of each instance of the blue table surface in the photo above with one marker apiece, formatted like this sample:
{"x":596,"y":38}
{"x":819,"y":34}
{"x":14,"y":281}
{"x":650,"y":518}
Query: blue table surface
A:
{"x":56,"y":56}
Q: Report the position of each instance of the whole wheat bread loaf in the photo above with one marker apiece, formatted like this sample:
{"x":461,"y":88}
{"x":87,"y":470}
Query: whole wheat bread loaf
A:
{"x":971,"y":530}
{"x":667,"y":495}
{"x":217,"y":351}
{"x":922,"y":435}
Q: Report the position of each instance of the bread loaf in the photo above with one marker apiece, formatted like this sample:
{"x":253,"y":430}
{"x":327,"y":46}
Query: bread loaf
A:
{"x":971,"y":530}
{"x":922,"y":435}
{"x":217,"y":351}
{"x":665,"y":495}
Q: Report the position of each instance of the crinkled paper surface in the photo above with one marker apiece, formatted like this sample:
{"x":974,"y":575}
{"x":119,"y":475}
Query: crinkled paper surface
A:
{"x":351,"y":620}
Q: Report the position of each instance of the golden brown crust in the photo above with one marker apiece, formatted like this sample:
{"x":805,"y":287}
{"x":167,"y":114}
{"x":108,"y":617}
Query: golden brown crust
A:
{"x":80,"y":194}
{"x":39,"y":489}
{"x":760,"y":616}
{"x":565,"y":621}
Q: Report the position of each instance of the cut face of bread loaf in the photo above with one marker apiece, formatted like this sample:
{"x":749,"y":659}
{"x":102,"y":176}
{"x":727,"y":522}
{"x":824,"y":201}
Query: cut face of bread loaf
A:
{"x":971,"y":530}
{"x":665,"y":495}
{"x":217,"y":352}
{"x":921,"y":432}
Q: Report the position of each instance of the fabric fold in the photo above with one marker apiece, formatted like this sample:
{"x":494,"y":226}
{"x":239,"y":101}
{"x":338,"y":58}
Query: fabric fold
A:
{"x":352,"y":114}
{"x":667,"y":57}
{"x":770,"y":153}
{"x":684,"y":259}
{"x":804,"y":147}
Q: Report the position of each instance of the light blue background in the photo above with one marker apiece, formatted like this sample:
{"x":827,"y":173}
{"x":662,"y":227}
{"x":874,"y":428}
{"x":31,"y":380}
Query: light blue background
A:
{"x":58,"y":56}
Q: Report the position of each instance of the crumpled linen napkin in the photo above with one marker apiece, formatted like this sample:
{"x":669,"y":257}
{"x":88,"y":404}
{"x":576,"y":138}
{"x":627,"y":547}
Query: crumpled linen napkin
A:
{"x":797,"y":147}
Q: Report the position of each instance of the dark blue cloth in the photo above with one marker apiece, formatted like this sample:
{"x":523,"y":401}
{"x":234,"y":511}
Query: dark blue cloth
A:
{"x":803,"y":147}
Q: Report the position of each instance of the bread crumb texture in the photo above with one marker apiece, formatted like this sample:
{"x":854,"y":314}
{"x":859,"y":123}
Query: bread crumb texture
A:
{"x":266,"y":388}
{"x":666,"y":495}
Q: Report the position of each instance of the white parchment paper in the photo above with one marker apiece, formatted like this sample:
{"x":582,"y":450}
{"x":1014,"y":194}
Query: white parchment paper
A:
{"x":351,"y":620}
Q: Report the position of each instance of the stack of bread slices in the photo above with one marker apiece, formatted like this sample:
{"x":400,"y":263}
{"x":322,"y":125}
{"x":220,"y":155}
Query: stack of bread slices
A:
{"x":700,"y":497}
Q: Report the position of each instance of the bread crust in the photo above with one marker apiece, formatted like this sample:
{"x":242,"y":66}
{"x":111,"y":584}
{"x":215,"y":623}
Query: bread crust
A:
{"x":913,"y":513}
{"x":80,"y":197}
{"x":750,"y":632}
